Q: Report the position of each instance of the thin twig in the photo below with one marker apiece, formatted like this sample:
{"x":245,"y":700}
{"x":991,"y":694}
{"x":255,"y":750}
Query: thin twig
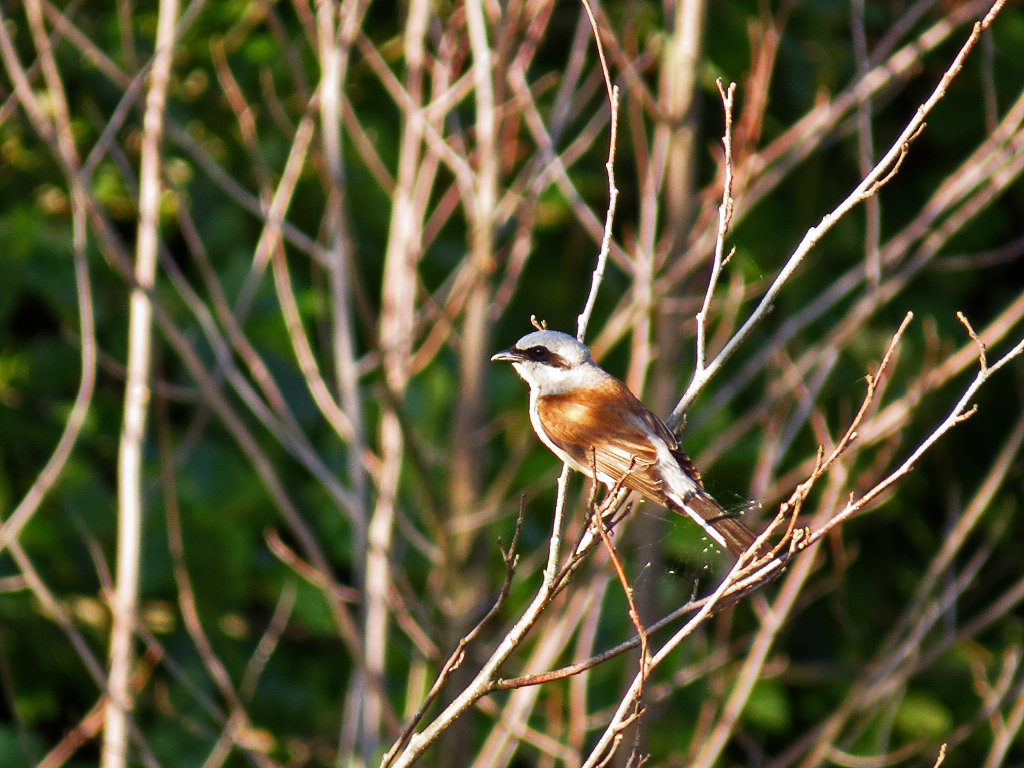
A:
{"x":597,"y":520}
{"x":613,"y":192}
{"x":724,"y":219}
{"x":634,"y":615}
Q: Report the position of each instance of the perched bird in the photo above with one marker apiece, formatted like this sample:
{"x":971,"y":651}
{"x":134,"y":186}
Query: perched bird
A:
{"x":590,"y":419}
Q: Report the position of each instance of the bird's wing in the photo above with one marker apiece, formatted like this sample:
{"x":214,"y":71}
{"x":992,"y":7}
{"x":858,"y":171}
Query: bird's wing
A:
{"x":601,"y":428}
{"x":609,"y":428}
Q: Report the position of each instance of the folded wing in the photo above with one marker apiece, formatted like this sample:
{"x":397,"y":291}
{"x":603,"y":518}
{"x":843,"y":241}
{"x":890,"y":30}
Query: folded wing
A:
{"x":610,"y":429}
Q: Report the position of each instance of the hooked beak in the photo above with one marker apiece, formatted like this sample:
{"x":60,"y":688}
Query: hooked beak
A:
{"x":510,"y":355}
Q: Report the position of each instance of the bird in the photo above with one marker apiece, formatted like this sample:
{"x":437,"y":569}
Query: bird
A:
{"x":591,"y":421}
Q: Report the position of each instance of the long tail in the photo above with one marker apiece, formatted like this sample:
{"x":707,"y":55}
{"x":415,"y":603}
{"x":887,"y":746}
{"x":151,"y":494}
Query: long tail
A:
{"x":724,"y":527}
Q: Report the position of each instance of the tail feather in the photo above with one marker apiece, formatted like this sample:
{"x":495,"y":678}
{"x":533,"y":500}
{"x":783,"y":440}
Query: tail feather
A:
{"x":722,"y":526}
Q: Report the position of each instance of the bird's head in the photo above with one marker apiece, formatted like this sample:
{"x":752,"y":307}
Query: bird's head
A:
{"x":551,"y":362}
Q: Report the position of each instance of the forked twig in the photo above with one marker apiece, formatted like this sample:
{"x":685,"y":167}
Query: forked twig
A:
{"x":511,"y":560}
{"x":791,"y":507}
{"x":882,"y":172}
{"x":724,"y":220}
{"x":961,"y":411}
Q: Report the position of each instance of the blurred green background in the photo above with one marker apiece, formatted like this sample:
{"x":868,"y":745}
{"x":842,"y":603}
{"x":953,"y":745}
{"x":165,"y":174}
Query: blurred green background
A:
{"x":867,"y":574}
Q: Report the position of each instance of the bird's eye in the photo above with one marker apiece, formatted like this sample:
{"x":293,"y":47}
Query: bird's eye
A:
{"x":540,"y":354}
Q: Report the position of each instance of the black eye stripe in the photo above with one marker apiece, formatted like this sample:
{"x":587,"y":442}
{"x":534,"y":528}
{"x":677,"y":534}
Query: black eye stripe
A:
{"x":541,"y":354}
{"x":538,"y":354}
